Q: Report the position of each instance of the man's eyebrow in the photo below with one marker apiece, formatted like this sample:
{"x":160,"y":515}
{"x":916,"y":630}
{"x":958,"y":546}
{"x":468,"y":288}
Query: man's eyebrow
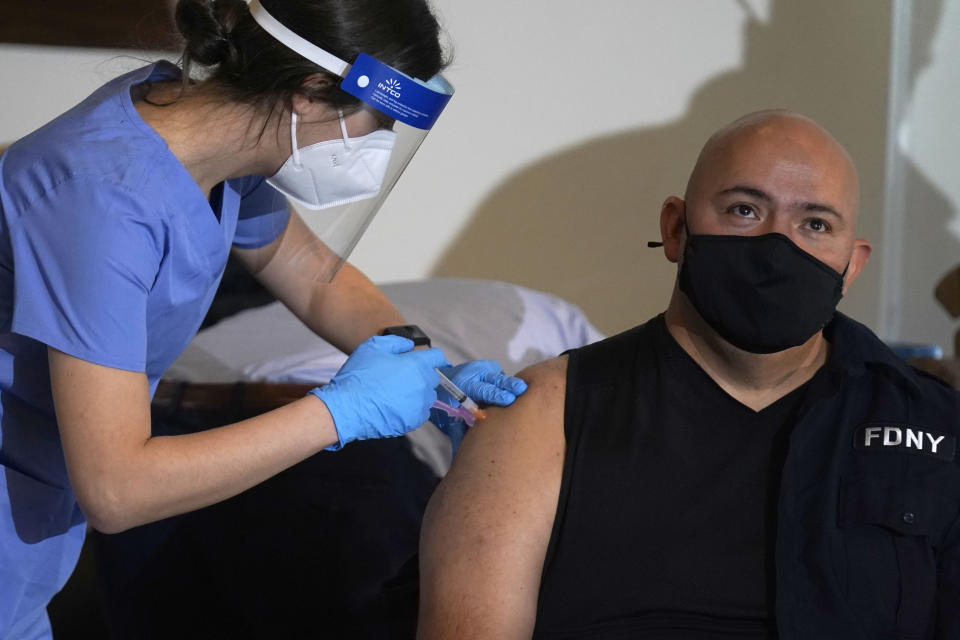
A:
{"x":821,"y":208}
{"x":750,"y":191}
{"x":760,"y":194}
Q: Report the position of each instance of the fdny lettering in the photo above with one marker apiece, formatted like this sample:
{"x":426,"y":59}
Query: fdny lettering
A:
{"x":905,"y":439}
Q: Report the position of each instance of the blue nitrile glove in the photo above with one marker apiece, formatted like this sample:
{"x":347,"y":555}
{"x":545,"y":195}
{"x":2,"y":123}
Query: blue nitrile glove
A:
{"x":485,"y":382}
{"x":384,"y":389}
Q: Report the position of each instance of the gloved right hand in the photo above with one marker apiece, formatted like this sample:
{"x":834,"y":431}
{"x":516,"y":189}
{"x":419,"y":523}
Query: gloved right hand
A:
{"x":383,"y":390}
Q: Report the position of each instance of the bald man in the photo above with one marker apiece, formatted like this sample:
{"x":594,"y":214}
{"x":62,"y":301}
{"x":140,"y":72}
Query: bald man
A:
{"x":748,"y":464}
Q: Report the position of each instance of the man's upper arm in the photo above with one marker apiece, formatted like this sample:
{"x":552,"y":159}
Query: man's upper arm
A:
{"x":487,"y":526}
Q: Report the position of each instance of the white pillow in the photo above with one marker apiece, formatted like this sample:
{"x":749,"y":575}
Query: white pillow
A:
{"x":468,"y":319}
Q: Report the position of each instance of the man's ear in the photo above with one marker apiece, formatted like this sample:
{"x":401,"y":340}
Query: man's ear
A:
{"x":858,"y":260}
{"x":672,"y":229}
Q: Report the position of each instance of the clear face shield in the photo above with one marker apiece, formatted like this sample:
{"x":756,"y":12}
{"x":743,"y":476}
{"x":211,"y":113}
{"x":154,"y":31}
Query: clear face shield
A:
{"x":337,"y":186}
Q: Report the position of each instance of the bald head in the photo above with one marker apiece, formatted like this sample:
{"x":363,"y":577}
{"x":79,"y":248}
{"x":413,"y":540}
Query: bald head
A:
{"x":772,"y":172}
{"x":768,"y":174}
{"x":782,"y":139}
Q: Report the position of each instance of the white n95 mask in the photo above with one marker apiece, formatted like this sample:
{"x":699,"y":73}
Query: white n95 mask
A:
{"x":334,"y":172}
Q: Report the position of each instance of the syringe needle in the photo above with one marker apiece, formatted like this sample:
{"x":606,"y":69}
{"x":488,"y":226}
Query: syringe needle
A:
{"x":459,"y":395}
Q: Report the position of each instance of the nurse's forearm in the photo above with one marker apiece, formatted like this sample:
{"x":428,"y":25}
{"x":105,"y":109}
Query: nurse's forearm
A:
{"x":123,"y":477}
{"x":169,"y":475}
{"x":349,"y":310}
{"x":176,"y":474}
{"x":344,"y":312}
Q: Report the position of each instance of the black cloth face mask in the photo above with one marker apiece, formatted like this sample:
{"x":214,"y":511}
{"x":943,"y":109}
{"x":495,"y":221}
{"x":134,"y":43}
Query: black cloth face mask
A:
{"x":762,"y":294}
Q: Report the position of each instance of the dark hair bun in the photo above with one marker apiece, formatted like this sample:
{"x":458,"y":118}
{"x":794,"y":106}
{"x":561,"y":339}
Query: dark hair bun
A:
{"x":206,"y":26}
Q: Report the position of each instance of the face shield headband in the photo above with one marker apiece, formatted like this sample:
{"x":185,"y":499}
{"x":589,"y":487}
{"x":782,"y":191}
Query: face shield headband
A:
{"x":339,"y":185}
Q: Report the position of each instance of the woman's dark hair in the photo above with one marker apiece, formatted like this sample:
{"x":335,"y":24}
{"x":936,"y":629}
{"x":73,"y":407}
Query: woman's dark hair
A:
{"x":248,"y":65}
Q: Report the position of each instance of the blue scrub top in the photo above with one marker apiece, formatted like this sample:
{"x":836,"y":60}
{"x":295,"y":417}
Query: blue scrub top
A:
{"x":109,"y":252}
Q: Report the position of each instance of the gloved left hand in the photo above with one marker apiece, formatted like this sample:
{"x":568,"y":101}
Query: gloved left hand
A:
{"x":485,"y":382}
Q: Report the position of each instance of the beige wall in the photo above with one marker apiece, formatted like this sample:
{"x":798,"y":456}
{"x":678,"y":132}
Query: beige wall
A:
{"x":572,"y":122}
{"x":575,"y":220}
{"x":37,"y":83}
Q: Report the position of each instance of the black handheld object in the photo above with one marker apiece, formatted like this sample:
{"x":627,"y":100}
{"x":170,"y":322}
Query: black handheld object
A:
{"x":411,"y":331}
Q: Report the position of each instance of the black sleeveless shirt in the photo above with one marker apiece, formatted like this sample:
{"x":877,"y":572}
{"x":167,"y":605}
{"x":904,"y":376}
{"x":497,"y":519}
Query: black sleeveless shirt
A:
{"x":665,"y":526}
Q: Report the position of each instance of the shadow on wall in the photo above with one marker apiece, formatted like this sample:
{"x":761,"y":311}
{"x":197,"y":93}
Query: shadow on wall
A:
{"x":931,"y":272}
{"x":927,"y":240}
{"x":576,"y":223}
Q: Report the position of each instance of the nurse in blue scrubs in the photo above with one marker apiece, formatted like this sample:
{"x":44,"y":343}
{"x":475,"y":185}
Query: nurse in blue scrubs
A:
{"x":116,"y":220}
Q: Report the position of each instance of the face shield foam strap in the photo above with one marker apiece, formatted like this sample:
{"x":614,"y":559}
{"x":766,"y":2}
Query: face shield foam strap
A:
{"x":291,"y":40}
{"x":408,"y":100}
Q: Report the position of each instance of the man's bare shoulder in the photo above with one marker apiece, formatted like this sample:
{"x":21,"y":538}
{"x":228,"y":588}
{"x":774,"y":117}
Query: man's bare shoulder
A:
{"x":546,"y":385}
{"x":487,"y":526}
{"x":512,"y":444}
{"x":521,"y":430}
{"x":548,"y":377}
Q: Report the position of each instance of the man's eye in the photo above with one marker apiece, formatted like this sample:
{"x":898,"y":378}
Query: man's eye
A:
{"x":818,"y":224}
{"x":744,"y":210}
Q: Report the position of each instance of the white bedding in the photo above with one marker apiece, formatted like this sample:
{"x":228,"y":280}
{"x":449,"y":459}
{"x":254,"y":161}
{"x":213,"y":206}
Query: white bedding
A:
{"x":468,"y":319}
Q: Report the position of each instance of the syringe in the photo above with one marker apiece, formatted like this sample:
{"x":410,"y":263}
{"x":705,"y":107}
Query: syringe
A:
{"x":468,"y":411}
{"x":465,"y":401}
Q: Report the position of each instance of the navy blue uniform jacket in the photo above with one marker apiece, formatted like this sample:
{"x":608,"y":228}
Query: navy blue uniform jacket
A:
{"x":868,"y":542}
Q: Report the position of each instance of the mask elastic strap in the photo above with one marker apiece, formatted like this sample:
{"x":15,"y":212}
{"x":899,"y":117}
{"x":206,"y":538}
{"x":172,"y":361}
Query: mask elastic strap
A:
{"x":343,"y":128}
{"x":293,"y":138}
